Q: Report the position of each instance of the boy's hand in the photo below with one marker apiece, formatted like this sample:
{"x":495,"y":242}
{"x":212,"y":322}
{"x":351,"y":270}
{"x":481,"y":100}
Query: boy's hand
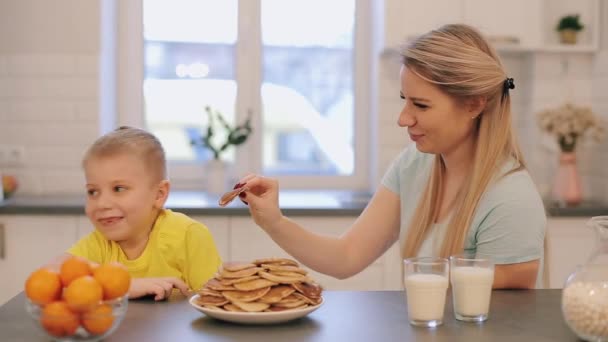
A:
{"x":159,"y":287}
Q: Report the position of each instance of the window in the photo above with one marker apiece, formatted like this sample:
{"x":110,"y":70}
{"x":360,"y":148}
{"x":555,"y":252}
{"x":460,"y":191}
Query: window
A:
{"x":295,"y":66}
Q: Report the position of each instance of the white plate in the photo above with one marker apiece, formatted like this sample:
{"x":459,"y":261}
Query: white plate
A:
{"x":254,"y":317}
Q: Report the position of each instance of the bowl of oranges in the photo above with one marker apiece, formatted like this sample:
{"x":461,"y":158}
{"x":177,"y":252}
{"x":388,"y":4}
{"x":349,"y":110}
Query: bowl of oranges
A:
{"x":81,"y":302}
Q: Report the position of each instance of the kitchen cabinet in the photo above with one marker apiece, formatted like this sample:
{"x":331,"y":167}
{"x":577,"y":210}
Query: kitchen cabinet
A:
{"x":569,"y":243}
{"x":219,"y":226}
{"x":29,"y":242}
{"x":249,"y":242}
{"x":532,"y":22}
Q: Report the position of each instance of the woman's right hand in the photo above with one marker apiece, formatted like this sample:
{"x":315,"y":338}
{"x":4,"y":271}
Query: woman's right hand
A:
{"x":160,"y":288}
{"x":262,"y":197}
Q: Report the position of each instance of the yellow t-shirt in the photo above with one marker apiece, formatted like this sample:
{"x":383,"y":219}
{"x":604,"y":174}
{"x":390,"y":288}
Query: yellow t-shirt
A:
{"x":178,"y":247}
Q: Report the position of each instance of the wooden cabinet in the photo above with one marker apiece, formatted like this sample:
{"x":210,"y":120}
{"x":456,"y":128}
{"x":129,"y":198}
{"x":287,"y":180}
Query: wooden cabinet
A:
{"x":29,"y":242}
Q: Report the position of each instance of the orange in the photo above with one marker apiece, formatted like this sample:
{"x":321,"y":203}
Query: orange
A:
{"x":114,"y":278}
{"x":72,"y":268}
{"x":43,"y":286}
{"x":98,"y":320}
{"x":83,"y":294}
{"x":58,"y":320}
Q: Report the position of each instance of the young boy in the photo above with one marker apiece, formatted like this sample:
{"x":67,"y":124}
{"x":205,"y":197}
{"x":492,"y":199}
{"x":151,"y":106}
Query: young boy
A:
{"x":127,"y":188}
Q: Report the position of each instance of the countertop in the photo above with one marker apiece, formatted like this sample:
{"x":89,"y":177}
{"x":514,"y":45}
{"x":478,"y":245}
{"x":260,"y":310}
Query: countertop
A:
{"x":293,"y":203}
{"x":532,"y":315}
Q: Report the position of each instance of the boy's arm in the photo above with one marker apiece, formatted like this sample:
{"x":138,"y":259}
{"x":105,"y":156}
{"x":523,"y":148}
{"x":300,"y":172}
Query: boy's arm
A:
{"x":202,"y":258}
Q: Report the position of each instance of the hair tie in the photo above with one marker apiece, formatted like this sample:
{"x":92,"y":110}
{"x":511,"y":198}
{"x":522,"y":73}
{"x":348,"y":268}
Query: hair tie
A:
{"x":508,"y":84}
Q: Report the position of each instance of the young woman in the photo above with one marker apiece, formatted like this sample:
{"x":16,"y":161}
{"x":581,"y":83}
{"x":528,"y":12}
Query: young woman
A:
{"x":462,"y":185}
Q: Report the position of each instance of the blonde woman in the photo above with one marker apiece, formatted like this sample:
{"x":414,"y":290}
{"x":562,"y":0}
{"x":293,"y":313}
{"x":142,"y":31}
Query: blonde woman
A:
{"x":462,"y":185}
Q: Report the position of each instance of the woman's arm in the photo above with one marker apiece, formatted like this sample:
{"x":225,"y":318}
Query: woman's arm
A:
{"x":376,"y":229}
{"x":516,"y":276}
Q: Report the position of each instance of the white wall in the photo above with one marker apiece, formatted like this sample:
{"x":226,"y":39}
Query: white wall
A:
{"x":49,"y":89}
{"x":49,"y":102}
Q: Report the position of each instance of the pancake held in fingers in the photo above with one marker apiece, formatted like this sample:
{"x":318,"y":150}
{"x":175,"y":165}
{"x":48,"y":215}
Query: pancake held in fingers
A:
{"x":263,"y":285}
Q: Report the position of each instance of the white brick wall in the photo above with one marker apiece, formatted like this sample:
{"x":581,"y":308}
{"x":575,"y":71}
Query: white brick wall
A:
{"x":49,"y":89}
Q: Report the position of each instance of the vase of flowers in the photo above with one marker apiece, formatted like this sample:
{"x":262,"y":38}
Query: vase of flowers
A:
{"x":569,"y":124}
{"x":218,"y":137}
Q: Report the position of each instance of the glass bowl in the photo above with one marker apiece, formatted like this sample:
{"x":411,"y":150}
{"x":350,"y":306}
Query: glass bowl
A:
{"x":58,"y":323}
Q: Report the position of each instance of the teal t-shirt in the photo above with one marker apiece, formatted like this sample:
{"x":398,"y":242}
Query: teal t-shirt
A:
{"x":509,"y":223}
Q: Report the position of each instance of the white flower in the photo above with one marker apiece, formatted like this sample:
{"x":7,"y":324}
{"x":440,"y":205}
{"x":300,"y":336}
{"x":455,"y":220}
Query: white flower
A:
{"x":570,"y":122}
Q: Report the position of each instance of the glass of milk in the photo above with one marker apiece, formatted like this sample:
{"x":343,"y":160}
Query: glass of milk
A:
{"x":472,"y":278}
{"x":426,"y":282}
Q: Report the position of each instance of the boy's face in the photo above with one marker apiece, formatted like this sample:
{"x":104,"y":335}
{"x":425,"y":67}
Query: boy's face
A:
{"x":123,"y":199}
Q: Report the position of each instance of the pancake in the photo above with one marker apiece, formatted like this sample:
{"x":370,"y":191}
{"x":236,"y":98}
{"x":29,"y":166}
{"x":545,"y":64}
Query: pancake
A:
{"x":245,"y":296}
{"x":284,"y":268}
{"x":232,"y":281}
{"x":276,"y":261}
{"x":277,"y":293}
{"x":254,"y":284}
{"x":216,"y":285}
{"x":307,"y":300}
{"x":211,"y":300}
{"x":237,"y":266}
{"x":240,"y":274}
{"x":311,"y":290}
{"x":283,"y":279}
{"x":205,"y":291}
{"x":269,"y":284}
{"x":288,"y":274}
{"x":290,"y":304}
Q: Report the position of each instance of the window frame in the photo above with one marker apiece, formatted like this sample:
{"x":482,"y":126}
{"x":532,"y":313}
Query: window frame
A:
{"x":189,"y":175}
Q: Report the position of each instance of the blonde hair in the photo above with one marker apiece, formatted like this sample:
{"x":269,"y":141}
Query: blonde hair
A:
{"x":134,"y":141}
{"x":458,"y":60}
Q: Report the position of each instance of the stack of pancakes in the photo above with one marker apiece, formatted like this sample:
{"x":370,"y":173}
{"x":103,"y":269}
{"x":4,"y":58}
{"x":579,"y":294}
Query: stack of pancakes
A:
{"x":272,"y":284}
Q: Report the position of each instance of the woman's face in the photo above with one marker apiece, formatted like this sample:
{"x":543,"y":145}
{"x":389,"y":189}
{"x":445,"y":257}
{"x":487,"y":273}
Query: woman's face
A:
{"x":435,"y":121}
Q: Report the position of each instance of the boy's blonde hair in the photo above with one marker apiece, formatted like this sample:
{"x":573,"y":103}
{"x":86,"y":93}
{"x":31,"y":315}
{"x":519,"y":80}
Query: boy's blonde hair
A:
{"x":133,"y":141}
{"x":458,"y":60}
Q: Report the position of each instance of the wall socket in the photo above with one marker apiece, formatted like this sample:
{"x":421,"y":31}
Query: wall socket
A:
{"x":12,"y":155}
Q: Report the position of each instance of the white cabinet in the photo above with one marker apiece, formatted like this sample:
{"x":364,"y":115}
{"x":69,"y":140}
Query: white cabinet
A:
{"x":532,"y":22}
{"x":220,"y":229}
{"x":498,"y":18}
{"x":570,"y":243}
{"x":29,"y":242}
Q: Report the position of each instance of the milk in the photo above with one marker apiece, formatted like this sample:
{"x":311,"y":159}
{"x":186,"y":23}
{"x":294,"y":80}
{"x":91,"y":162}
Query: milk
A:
{"x":471,"y":290}
{"x":425,"y":296}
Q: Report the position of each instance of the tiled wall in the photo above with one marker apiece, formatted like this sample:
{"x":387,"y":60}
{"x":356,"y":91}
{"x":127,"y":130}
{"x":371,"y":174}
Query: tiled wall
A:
{"x":49,"y":89}
{"x":49,"y":100}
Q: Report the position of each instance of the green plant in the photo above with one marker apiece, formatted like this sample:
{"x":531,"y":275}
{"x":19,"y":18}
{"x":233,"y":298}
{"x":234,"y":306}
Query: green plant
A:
{"x":569,"y":22}
{"x":236,"y":135}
